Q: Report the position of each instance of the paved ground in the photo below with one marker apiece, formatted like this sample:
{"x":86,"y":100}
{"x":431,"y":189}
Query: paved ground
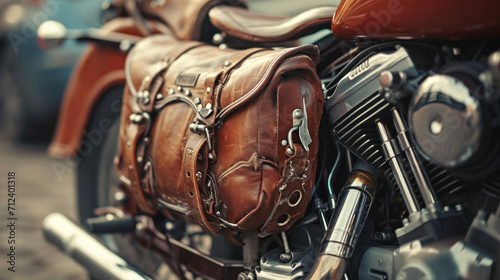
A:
{"x":39,"y":192}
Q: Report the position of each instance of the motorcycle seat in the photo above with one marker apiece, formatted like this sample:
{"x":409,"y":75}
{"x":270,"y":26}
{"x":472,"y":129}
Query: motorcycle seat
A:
{"x":255,"y":27}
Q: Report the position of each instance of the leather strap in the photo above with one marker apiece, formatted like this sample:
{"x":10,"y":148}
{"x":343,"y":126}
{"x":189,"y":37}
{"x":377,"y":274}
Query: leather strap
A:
{"x":194,"y":173}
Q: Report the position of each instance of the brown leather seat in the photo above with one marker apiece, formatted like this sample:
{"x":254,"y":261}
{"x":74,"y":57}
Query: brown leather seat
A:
{"x":250,"y":26}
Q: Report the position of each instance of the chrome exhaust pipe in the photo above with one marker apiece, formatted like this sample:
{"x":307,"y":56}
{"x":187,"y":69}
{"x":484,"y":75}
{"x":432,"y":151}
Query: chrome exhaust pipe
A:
{"x":86,"y":250}
{"x":345,"y":226}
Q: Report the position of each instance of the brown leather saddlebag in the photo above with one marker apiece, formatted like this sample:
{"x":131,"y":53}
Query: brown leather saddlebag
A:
{"x":227,"y":137}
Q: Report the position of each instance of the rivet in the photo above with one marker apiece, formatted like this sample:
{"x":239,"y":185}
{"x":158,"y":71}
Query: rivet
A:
{"x":171,"y":91}
{"x":298,"y":114}
{"x":129,"y":144}
{"x":197,"y":100}
{"x":200,"y":106}
{"x":218,"y":213}
{"x":190,"y":152}
{"x":200,"y":158}
{"x":139,"y":159}
{"x":130,"y":167}
{"x":209,"y":106}
{"x":159,"y":96}
{"x":208,"y":90}
{"x":199,"y":176}
{"x":146,"y":101}
{"x":289,"y":151}
{"x":284,"y":143}
{"x":147,"y":79}
{"x":227,"y":63}
{"x":188,"y":93}
{"x":179,"y":88}
{"x":210,"y":157}
{"x":145,"y":93}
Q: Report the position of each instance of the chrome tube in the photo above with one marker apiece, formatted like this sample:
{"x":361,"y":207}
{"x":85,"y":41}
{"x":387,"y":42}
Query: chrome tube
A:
{"x":86,"y":250}
{"x":345,"y":226}
{"x":397,"y":168}
{"x":423,"y":181}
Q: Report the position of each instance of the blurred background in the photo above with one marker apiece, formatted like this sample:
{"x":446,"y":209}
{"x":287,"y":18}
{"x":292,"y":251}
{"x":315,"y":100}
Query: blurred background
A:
{"x":32,"y":84}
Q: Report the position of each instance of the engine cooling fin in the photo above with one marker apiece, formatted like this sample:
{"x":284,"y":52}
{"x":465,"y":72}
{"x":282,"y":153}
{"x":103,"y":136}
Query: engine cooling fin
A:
{"x":356,"y":131}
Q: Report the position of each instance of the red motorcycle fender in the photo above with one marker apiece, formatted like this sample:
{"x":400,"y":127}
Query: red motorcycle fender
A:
{"x":98,"y":70}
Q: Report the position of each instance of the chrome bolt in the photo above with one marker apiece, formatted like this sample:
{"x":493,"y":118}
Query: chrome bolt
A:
{"x":436,"y":127}
{"x":169,"y":226}
{"x":120,"y":197}
{"x":199,"y":176}
{"x":125,"y":45}
{"x":298,"y":114}
{"x":217,"y":38}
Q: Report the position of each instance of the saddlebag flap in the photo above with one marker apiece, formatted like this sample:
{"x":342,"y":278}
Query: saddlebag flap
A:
{"x":227,"y":137}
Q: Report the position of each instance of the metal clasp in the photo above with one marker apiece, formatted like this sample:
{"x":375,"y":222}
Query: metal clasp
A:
{"x":300,"y":125}
{"x":200,"y":128}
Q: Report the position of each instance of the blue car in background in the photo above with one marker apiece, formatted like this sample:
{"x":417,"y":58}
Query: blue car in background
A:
{"x":32,"y":81}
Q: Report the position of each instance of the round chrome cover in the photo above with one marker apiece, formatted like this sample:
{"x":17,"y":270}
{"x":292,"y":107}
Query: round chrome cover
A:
{"x":445,"y":120}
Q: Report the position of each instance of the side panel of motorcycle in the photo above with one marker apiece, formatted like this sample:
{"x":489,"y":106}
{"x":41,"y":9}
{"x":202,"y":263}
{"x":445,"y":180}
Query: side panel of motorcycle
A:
{"x":99,"y":69}
{"x":424,"y":19}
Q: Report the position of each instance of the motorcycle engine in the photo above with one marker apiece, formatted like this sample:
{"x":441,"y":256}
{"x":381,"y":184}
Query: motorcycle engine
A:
{"x":452,"y":121}
{"x":452,"y":117}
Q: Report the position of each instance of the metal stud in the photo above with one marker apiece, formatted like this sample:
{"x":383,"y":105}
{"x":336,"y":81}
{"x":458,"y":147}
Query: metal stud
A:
{"x":145,"y":101}
{"x":197,"y":100}
{"x":179,"y":88}
{"x":147,"y":79}
{"x":188,"y":93}
{"x":159,"y":96}
{"x":209,"y":106}
{"x":171,"y":91}
{"x":199,"y":106}
{"x":227,"y":63}
{"x":139,"y":159}
{"x":289,"y":151}
{"x":199,"y":176}
{"x":208,"y":90}
{"x":284,"y":143}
